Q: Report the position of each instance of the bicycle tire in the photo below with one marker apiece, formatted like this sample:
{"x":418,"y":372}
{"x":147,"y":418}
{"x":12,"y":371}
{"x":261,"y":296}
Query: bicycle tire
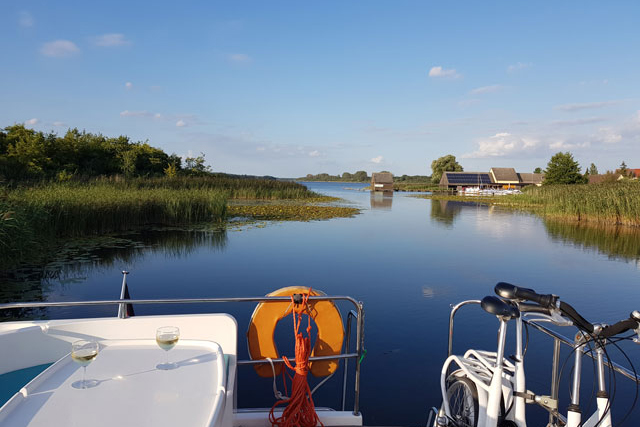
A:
{"x":462,"y":396}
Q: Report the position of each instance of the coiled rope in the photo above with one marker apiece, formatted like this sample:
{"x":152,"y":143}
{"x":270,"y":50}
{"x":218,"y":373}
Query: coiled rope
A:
{"x":300,"y":410}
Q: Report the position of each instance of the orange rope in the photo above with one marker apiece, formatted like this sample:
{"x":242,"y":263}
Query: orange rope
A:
{"x":300,"y":410}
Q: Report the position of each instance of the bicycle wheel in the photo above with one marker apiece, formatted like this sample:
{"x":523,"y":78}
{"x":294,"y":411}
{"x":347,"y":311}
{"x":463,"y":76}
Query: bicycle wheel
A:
{"x":462,"y":396}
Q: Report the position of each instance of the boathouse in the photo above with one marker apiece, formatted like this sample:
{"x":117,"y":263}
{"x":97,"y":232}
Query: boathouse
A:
{"x":496,"y":178}
{"x":381,"y":181}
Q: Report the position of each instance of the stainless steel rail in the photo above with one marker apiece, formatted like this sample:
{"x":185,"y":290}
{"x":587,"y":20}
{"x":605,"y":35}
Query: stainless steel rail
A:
{"x":558,"y":339}
{"x":358,"y":314}
{"x":564,"y":340}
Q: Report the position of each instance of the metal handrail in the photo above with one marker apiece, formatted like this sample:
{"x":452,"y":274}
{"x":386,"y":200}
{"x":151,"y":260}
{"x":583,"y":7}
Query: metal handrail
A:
{"x":558,"y":338}
{"x":358,"y":313}
{"x":564,"y":340}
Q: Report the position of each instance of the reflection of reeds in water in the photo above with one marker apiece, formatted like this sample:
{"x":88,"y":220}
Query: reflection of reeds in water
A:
{"x":82,"y":256}
{"x":616,"y":241}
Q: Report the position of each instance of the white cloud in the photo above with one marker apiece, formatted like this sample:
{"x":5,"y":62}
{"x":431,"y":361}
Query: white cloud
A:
{"x":143,"y":113}
{"x":377,"y":159}
{"x":441,"y":72}
{"x":181,"y":123}
{"x":562,"y":144}
{"x":503,"y":144}
{"x":585,"y":105}
{"x":59,"y":49}
{"x":32,"y":122}
{"x":111,"y":40}
{"x":240,"y":58}
{"x":157,"y":116}
{"x":59,"y":124}
{"x":485,"y":89}
{"x":518,"y":66}
{"x":128,"y":85}
{"x":608,"y":135}
{"x":25,"y":19}
{"x":314,"y":153}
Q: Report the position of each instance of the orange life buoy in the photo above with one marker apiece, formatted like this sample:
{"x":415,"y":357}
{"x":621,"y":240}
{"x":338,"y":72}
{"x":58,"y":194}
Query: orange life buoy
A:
{"x":267,"y":314}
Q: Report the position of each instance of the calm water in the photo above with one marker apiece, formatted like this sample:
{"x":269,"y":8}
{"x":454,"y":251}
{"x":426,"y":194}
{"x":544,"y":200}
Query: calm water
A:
{"x":407,"y":259}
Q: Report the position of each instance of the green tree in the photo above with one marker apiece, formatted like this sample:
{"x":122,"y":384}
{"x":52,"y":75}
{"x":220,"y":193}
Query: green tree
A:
{"x":623,"y":169}
{"x":537,"y":170}
{"x":446,"y":163}
{"x":593,"y":170}
{"x":196,"y":166}
{"x":346,"y":176}
{"x":361,"y":176}
{"x":563,"y":169}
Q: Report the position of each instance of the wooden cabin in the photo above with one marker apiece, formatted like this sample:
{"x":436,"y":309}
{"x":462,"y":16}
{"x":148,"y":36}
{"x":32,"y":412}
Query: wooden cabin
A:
{"x":381,"y":181}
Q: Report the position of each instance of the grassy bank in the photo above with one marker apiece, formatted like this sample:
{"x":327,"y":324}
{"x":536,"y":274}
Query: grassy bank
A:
{"x":605,"y":204}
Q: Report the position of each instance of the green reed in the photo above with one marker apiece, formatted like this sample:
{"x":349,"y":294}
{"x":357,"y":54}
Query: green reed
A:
{"x":607,"y":203}
{"x":234,"y":187}
{"x":73,"y":210}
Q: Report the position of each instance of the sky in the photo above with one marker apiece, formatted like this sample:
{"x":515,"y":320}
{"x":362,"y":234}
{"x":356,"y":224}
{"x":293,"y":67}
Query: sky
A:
{"x":287,"y":88}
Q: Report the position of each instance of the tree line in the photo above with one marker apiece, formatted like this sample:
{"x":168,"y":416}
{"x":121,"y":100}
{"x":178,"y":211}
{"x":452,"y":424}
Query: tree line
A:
{"x":26,"y":154}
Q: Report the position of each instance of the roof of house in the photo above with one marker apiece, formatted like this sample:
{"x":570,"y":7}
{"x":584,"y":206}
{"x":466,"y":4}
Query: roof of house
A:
{"x":530,"y":178}
{"x":466,"y":178}
{"x":382,"y":177}
{"x":505,"y":175}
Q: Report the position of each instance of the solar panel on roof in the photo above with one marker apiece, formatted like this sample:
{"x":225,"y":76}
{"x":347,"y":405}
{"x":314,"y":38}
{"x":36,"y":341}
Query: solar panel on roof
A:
{"x":468,"y":178}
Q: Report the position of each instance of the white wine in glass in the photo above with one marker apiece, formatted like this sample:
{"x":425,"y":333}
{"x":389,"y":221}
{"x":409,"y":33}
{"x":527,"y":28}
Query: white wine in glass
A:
{"x":167,"y":337}
{"x":83,"y":352}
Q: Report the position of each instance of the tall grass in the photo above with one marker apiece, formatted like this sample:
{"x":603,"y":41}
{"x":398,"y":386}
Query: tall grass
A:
{"x":607,"y":203}
{"x":233,"y":186}
{"x":73,"y":210}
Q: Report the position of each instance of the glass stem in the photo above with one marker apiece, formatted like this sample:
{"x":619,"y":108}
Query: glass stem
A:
{"x":84,"y":373}
{"x":167,"y":358}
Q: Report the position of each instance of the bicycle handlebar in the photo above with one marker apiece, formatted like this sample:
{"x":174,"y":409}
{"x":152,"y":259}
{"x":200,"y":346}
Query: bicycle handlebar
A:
{"x":577,"y":319}
{"x":549,"y":301}
{"x":507,"y":290}
{"x":619,"y":327}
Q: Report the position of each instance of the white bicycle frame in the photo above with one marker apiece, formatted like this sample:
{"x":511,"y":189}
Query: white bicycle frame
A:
{"x":498,"y":379}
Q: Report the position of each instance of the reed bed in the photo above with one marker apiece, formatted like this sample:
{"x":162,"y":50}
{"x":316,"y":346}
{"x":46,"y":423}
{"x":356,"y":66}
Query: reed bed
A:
{"x":73,"y":210}
{"x":607,"y":203}
{"x":234,"y":187}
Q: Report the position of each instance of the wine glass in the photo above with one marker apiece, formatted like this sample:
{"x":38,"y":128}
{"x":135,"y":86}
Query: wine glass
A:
{"x":83,"y":352}
{"x":167,"y":338}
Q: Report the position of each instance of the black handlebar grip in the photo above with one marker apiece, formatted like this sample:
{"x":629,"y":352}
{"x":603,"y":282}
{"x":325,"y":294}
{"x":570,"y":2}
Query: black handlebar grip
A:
{"x":533,"y":308}
{"x":577,"y":319}
{"x":531,"y":295}
{"x":619,"y":327}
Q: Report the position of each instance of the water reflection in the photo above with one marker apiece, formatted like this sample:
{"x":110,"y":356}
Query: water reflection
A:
{"x":79,"y":258}
{"x":445,"y":211}
{"x":618,"y":242}
{"x":381,"y":200}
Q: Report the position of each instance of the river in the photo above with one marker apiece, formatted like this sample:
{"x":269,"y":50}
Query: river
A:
{"x":406,"y":258}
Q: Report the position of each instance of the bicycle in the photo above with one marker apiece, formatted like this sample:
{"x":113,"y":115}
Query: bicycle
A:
{"x":488,"y":390}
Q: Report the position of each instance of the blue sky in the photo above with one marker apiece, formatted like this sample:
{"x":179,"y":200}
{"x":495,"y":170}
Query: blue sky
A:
{"x":290,"y":88}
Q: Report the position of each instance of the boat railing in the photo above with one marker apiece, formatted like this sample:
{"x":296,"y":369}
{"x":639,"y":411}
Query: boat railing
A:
{"x":558,"y":339}
{"x":356,"y":314}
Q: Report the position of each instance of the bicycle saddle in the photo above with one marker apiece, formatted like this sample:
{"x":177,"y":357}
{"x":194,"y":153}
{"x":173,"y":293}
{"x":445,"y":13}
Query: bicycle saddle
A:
{"x":494,"y":305}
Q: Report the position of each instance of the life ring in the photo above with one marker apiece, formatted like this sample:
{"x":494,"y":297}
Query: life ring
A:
{"x":267,"y":315}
